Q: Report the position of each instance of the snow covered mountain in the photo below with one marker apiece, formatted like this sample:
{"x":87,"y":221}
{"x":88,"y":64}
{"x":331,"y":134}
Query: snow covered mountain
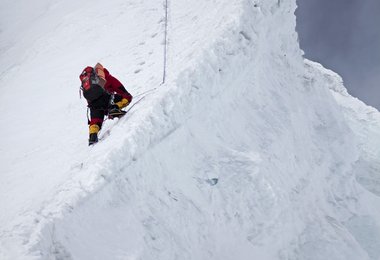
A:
{"x":247,"y":151}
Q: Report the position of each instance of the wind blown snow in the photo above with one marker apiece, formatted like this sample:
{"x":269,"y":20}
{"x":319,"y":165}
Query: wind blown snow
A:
{"x":248,"y":151}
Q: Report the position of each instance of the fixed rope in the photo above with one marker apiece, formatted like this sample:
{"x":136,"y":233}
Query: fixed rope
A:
{"x":165,"y":42}
{"x":145,"y":92}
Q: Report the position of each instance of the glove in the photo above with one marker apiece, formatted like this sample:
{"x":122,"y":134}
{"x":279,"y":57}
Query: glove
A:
{"x":123,"y":103}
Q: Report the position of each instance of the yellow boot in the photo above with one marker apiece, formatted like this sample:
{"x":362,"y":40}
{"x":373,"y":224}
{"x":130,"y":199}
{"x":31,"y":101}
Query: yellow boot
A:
{"x":94,"y":130}
{"x":123,"y":103}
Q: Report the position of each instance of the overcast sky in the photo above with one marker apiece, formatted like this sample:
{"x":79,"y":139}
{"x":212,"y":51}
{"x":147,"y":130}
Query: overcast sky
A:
{"x":344,"y":35}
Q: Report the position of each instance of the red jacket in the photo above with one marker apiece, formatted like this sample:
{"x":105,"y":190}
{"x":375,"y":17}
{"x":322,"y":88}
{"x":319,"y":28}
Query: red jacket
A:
{"x":113,"y":85}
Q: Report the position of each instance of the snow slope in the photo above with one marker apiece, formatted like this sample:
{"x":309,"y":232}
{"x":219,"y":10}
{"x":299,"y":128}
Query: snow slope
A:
{"x":247,"y":151}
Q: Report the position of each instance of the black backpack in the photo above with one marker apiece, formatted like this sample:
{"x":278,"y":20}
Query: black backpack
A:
{"x":92,"y":85}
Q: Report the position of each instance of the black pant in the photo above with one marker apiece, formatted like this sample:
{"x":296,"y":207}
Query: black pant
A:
{"x":99,"y":108}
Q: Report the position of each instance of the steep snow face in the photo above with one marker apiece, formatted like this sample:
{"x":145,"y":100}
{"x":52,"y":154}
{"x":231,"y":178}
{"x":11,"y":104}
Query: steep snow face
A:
{"x":364,"y":121}
{"x":44,"y":46}
{"x":247,"y":151}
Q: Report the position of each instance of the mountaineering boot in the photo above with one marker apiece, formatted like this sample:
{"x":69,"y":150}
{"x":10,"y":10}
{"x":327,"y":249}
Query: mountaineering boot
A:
{"x":94,"y":129}
{"x":115,"y":111}
{"x":93,"y":139}
{"x":122,"y":103}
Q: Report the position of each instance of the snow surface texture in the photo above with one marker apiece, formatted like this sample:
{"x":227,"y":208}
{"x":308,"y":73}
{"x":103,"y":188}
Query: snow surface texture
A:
{"x":247,"y":152}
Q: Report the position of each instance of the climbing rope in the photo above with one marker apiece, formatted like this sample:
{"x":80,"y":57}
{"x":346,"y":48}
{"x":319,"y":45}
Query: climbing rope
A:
{"x":143,"y":93}
{"x":165,"y":42}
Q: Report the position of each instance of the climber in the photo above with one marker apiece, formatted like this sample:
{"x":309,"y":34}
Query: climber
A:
{"x":105,"y":96}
